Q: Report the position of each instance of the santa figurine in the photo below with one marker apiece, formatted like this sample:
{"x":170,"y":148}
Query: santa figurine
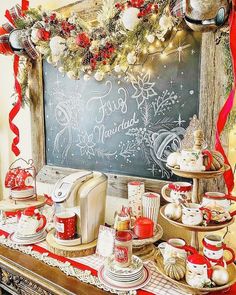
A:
{"x":198,"y":271}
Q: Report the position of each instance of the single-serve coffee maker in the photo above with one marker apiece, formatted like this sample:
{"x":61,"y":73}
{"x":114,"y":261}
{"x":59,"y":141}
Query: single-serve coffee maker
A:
{"x":83,"y":193}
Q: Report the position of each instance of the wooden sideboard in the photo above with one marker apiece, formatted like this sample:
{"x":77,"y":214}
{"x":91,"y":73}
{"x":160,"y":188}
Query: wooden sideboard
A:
{"x":21,"y":274}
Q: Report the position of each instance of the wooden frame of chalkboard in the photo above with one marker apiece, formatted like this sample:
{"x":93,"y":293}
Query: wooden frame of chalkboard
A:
{"x":212,"y":95}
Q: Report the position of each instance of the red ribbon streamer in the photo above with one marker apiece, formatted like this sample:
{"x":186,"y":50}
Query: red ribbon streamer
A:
{"x":14,"y":111}
{"x":225,"y":111}
{"x":24,"y":6}
{"x":9,"y":18}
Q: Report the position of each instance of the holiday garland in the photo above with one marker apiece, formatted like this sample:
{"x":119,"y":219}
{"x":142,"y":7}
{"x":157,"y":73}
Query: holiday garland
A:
{"x":124,"y":31}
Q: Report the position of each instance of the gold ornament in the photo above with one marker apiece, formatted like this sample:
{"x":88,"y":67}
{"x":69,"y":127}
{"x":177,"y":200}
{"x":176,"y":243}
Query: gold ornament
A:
{"x":220,"y":275}
{"x":175,"y":268}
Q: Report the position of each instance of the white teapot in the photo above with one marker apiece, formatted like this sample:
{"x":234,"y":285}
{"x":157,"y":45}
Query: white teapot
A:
{"x":30,"y":222}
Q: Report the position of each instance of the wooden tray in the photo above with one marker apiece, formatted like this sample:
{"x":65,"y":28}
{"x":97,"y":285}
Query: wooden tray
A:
{"x":201,"y":228}
{"x":70,"y":251}
{"x":184,"y":286}
{"x":198,"y":174}
{"x":138,"y":243}
{"x":12,"y":205}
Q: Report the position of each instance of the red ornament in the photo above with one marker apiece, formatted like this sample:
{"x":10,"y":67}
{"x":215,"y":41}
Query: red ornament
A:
{"x":43,"y":35}
{"x":83,"y":40}
{"x":136,"y":3}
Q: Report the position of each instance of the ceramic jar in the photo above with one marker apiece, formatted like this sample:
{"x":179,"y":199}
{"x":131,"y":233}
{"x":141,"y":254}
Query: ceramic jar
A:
{"x":151,"y":206}
{"x":193,"y":214}
{"x":192,"y":160}
{"x":123,"y":248}
{"x":144,"y":228}
{"x":30,"y":222}
{"x":198,"y":271}
{"x":213,"y":250}
{"x":179,"y":192}
{"x":136,"y":189}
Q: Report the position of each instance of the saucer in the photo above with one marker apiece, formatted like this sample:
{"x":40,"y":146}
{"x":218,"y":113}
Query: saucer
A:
{"x":73,"y":242}
{"x":28,"y":241}
{"x":29,"y":237}
{"x":135,"y":267}
{"x":18,"y":193}
{"x":124,"y":286}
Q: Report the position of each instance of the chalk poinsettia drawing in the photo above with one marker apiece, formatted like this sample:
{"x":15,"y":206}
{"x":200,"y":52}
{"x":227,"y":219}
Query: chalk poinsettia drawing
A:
{"x":143,"y":88}
{"x":86,"y":144}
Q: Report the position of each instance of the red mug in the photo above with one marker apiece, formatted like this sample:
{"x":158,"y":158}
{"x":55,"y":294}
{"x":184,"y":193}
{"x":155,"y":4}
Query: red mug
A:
{"x":23,"y":178}
{"x":65,"y":224}
{"x":10,"y":179}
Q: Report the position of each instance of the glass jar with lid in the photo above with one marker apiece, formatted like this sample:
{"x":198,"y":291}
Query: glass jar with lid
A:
{"x":123,"y":248}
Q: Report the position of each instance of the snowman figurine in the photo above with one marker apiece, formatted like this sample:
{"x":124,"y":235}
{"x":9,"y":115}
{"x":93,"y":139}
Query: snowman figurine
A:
{"x":198,"y":271}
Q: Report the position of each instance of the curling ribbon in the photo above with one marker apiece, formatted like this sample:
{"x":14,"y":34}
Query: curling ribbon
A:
{"x":16,"y":108}
{"x":14,"y":111}
{"x":226,"y":109}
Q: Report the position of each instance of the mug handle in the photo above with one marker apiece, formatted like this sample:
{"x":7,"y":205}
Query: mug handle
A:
{"x":208,"y":213}
{"x":210,"y":158}
{"x":232,"y":253}
{"x":163,"y":193}
{"x":231,"y":198}
{"x":43,"y":224}
{"x":187,"y":248}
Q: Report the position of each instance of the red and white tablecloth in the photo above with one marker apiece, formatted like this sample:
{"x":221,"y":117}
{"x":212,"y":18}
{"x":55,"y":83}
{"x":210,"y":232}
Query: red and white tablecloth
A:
{"x":85,"y":268}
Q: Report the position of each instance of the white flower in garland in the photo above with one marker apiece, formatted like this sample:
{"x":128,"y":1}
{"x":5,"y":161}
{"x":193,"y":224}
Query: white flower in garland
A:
{"x":166,"y":22}
{"x":130,"y":18}
{"x":71,"y":75}
{"x":131,"y":58}
{"x":99,"y":75}
{"x":57,"y":45}
{"x":117,"y":68}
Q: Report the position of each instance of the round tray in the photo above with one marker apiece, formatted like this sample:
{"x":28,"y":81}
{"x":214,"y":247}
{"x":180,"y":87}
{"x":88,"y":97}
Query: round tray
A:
{"x":15,"y":205}
{"x":184,"y":286}
{"x":201,"y":228}
{"x":198,"y":174}
{"x":138,"y":243}
{"x":70,"y":251}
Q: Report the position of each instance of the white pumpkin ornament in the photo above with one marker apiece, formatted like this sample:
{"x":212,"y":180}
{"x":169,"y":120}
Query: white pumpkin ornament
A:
{"x":99,"y":75}
{"x":131,"y":58}
{"x":220,"y":275}
{"x":173,"y":211}
{"x":130,"y":18}
{"x":57,"y":45}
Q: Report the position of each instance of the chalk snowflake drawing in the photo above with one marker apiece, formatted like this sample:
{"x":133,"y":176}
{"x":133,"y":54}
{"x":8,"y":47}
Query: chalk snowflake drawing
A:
{"x":66,"y":114}
{"x":86,"y":144}
{"x":164,"y":102}
{"x":143,"y":88}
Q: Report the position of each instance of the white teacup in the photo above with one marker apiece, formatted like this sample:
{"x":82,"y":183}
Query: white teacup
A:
{"x":175,"y":247}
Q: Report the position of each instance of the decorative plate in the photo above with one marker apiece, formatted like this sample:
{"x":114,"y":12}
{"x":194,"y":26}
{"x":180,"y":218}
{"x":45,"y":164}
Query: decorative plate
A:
{"x":31,"y":241}
{"x":135,"y":266}
{"x":124,"y":286}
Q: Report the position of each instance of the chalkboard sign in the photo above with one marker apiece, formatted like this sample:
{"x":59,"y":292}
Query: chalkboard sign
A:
{"x":124,"y":125}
